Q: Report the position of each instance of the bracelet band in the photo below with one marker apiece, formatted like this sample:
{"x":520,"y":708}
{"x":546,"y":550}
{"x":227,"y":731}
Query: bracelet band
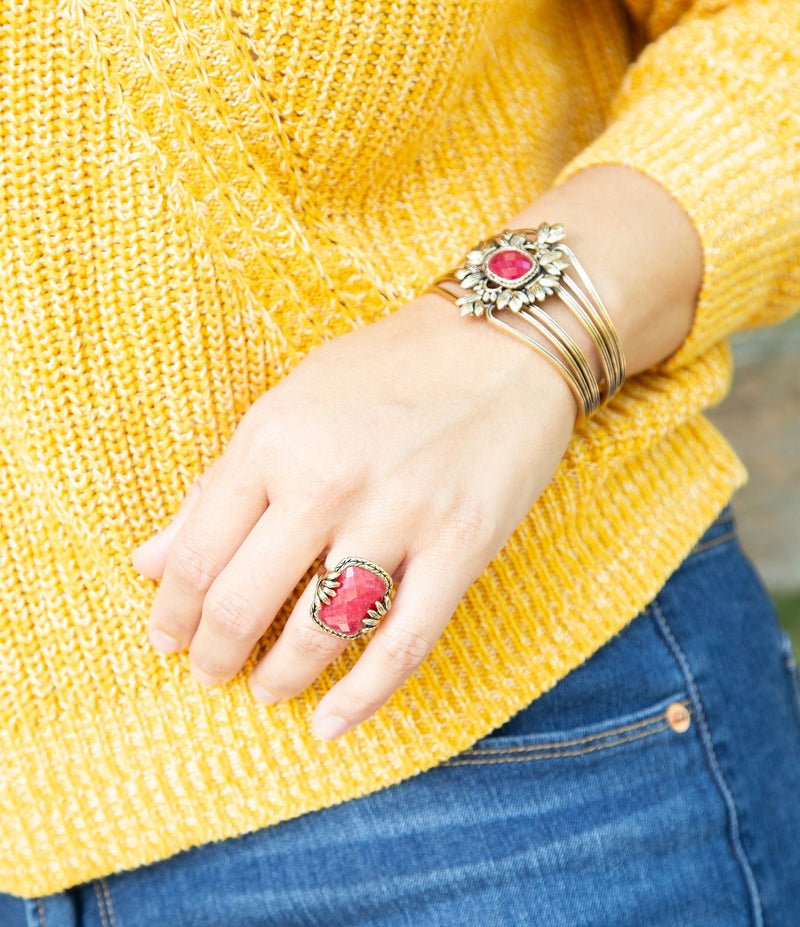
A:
{"x":581,"y":386}
{"x":521,"y":267}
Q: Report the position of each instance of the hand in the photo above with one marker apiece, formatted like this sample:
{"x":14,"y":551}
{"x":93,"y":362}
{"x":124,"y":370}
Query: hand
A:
{"x":419,"y":442}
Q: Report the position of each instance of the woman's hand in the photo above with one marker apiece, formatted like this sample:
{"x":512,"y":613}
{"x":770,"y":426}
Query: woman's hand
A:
{"x":419,"y":443}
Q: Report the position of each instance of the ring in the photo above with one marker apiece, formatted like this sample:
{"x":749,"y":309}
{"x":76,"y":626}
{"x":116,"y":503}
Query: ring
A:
{"x":352,"y":598}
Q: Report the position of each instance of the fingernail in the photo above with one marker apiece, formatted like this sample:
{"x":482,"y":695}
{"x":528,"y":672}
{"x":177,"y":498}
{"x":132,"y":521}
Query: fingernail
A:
{"x":262,"y":695}
{"x":331,"y":727}
{"x":164,"y":642}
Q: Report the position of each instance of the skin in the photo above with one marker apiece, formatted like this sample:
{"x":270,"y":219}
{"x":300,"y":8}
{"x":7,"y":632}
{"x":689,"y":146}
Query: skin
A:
{"x":433,"y":403}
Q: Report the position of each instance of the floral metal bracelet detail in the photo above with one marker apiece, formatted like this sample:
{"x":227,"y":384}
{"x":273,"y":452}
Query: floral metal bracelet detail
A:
{"x":519,"y":269}
{"x":511,"y":270}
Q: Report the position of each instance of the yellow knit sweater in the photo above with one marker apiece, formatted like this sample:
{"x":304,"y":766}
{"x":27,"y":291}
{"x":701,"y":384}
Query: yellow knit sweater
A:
{"x":192,"y":195}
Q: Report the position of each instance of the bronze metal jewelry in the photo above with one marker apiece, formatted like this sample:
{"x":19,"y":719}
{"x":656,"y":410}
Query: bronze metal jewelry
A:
{"x":520,"y":268}
{"x":352,"y":598}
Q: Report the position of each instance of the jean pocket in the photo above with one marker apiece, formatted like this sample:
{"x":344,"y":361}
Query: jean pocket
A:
{"x":723,"y":530}
{"x":674,"y":713}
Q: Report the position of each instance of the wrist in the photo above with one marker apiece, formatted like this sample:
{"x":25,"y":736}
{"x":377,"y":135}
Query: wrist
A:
{"x":641,"y":252}
{"x":494,"y":363}
{"x":506,"y":278}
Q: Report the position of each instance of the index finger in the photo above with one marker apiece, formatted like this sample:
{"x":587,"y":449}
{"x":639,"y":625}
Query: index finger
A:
{"x":215,"y":528}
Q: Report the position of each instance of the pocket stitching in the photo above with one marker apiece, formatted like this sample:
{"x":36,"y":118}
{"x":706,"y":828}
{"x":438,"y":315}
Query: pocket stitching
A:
{"x":550,"y":750}
{"x":599,"y":735}
{"x":714,"y":542}
{"x":537,"y":755}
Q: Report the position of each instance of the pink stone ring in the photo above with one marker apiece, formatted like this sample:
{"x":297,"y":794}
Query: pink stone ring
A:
{"x":352,"y":598}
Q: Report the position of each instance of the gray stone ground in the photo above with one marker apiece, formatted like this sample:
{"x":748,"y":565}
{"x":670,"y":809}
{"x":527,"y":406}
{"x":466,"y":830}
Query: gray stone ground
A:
{"x":761,"y":419}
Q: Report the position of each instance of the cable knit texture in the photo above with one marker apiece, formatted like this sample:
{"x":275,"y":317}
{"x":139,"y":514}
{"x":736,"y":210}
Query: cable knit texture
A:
{"x":192,"y":196}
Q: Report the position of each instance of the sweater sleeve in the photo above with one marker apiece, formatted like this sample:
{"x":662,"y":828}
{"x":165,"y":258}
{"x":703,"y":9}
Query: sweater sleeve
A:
{"x":709,"y":111}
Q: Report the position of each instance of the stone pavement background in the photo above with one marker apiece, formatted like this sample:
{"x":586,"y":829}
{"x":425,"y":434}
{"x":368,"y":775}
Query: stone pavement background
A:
{"x":761,"y":419}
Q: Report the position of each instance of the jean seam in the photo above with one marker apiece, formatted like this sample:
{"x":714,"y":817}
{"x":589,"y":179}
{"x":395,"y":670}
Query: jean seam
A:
{"x":469,"y":761}
{"x":714,"y":542}
{"x":101,"y":905}
{"x":109,"y":904}
{"x":714,"y":764}
{"x":38,"y":913}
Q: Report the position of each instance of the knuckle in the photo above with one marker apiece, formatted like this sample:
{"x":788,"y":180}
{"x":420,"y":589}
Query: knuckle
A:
{"x":193,"y":569}
{"x":255,"y":445}
{"x":175,"y":625}
{"x":260,"y":439}
{"x":232,"y":617}
{"x":276,"y":686}
{"x":403,"y":651}
{"x":327,"y":490}
{"x":331,"y":482}
{"x":309,"y":642}
{"x":469,"y":527}
{"x":204,"y":480}
{"x":212,"y":668}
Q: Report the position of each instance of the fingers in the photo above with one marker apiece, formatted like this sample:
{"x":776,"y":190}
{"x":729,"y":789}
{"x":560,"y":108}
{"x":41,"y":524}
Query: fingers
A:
{"x":229,"y":561}
{"x":424,"y":603}
{"x":228,"y":571}
{"x":425,"y":600}
{"x":245,"y":597}
{"x":223,"y":611}
{"x":304,"y":649}
{"x":149,"y":558}
{"x":215,"y":526}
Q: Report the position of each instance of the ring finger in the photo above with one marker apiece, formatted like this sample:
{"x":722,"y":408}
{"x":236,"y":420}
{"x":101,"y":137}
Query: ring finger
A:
{"x":304,"y":649}
{"x":424,"y":604}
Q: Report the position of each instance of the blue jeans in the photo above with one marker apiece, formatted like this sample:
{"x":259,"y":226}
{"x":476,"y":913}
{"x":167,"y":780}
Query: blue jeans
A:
{"x":658,"y":784}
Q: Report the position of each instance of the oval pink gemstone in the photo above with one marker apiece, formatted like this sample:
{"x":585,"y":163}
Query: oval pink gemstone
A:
{"x":359,"y":591}
{"x":510,"y":264}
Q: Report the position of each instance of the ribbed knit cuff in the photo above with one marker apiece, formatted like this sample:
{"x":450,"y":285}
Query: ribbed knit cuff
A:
{"x":708,"y":111}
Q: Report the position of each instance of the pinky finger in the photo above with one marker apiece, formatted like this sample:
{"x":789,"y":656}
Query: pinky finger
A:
{"x":422,"y":606}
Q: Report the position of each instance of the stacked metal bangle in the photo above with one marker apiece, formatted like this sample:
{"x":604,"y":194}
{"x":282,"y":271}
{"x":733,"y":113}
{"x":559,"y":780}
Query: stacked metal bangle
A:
{"x":519,"y":269}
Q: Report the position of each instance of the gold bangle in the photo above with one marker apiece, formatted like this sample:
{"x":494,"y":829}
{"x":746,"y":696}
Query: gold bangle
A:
{"x":610,"y":346}
{"x":521,"y":267}
{"x":549,"y":328}
{"x":574,"y":367}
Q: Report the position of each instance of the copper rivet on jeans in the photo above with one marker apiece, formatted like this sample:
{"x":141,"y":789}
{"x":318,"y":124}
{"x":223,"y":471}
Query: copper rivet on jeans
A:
{"x":678,"y":717}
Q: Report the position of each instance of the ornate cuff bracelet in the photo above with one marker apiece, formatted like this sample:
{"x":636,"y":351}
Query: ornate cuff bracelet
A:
{"x":519,"y":269}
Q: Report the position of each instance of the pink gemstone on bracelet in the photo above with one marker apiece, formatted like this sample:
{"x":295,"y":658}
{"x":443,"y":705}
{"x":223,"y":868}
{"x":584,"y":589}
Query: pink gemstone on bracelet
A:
{"x":360,"y":591}
{"x":510,"y":264}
